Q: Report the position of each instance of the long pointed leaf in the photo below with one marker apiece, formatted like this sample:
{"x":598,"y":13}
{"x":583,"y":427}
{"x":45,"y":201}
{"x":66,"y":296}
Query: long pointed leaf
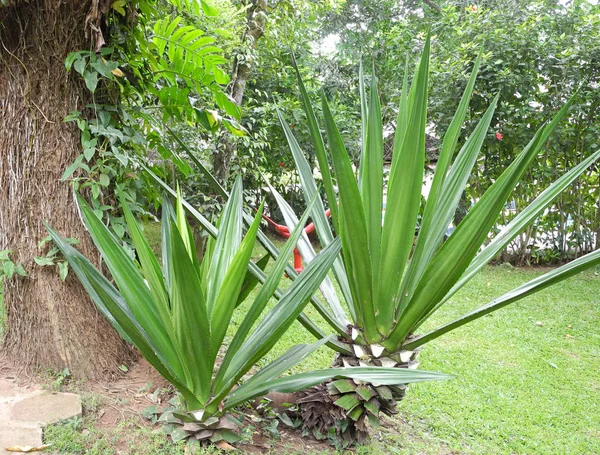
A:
{"x":226,"y":245}
{"x":283,"y":314}
{"x":459,"y":250}
{"x":272,"y":250}
{"x":112,"y":305}
{"x":364,"y":112}
{"x":309,"y":188}
{"x":401,"y":120}
{"x":290,"y":359}
{"x":436,"y":223}
{"x":352,"y":216}
{"x":190,"y":318}
{"x":288,"y":384}
{"x":531,"y":287}
{"x":523,"y":219}
{"x":260,"y":302}
{"x":131,"y":285}
{"x":232,"y":284}
{"x":403,"y":199}
{"x":167,"y":215}
{"x":308,"y":253}
{"x":317,"y":141}
{"x":149,"y":263}
{"x":372,"y":180}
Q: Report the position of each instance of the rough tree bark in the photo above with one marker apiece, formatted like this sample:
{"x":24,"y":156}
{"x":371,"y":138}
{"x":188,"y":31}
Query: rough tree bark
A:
{"x":255,"y":24}
{"x":50,"y":324}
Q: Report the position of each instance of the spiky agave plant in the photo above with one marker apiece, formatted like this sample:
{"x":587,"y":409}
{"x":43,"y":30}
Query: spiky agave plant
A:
{"x":391,"y":282}
{"x":178,"y":315}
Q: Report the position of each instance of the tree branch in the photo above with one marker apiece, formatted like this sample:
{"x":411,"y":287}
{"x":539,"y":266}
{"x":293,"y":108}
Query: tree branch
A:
{"x":433,"y":5}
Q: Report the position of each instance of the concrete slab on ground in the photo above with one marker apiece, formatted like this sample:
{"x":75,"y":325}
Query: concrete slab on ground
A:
{"x":47,"y":408}
{"x":26,"y":410}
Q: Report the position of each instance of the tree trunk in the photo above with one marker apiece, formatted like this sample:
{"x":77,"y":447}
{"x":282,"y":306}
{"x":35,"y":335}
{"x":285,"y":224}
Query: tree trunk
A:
{"x":255,"y":23}
{"x":50,"y":324}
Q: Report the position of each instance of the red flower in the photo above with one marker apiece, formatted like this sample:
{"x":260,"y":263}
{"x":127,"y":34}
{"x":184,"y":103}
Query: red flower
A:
{"x":499,"y":135}
{"x":281,"y":164}
{"x":474,"y":8}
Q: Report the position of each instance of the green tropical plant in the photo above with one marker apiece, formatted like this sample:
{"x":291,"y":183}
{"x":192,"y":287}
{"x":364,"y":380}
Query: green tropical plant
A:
{"x":392,"y":279}
{"x":178,"y":315}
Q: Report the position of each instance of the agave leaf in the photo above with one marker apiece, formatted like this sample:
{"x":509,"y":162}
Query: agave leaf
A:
{"x":290,"y":359}
{"x":185,"y":230}
{"x":401,"y":121}
{"x":149,"y":263}
{"x":154,"y":277}
{"x":269,"y":287}
{"x":293,"y":383}
{"x":372,"y":179}
{"x":190,"y":318}
{"x":131,"y":285}
{"x":447,"y":149}
{"x":309,"y":188}
{"x":523,"y":219}
{"x":308,"y":253}
{"x":282,"y":315}
{"x":112,"y":305}
{"x":226,"y":245}
{"x":454,"y":256}
{"x":232,"y":283}
{"x":433,"y":229}
{"x":403,"y":200}
{"x":531,"y":287}
{"x":421,"y":256}
{"x":317,"y":141}
{"x":167,"y":215}
{"x":364,"y":113}
{"x":272,"y":250}
{"x":353,"y":223}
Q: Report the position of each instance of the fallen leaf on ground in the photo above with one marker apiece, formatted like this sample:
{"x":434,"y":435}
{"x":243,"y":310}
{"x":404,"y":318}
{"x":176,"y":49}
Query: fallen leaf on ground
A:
{"x":223,"y":445}
{"x":27,"y":449}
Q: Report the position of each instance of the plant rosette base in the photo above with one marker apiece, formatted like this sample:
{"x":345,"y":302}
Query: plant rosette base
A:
{"x":190,"y":426}
{"x":343,"y":410}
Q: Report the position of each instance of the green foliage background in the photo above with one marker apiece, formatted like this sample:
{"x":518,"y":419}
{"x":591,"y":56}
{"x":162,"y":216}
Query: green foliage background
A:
{"x":536,"y":54}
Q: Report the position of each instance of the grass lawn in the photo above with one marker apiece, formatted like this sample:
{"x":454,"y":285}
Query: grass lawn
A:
{"x":527,"y":378}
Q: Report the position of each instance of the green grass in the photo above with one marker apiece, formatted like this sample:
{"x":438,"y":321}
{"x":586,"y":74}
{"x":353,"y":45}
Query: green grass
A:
{"x":527,"y":378}
{"x":81,"y":436}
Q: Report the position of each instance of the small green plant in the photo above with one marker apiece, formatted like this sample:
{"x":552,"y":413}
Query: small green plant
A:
{"x":8,"y":268}
{"x":53,"y":257}
{"x":178,"y":315}
{"x":59,"y":379}
{"x":91,"y":402}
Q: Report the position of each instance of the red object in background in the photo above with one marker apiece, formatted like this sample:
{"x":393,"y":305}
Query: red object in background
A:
{"x":499,"y":135}
{"x":297,"y":261}
{"x":285,"y":232}
{"x":281,"y":164}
